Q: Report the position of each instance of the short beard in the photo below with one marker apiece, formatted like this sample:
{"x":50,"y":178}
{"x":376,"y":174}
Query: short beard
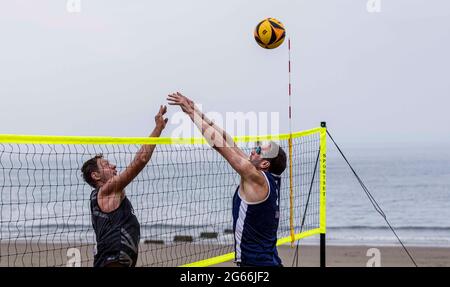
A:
{"x":256,"y":162}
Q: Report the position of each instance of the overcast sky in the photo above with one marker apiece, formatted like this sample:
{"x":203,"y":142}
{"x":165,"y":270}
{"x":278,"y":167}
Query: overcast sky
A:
{"x":374,"y":77}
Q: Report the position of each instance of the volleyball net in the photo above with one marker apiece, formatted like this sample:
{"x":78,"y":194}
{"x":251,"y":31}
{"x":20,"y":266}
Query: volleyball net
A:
{"x":182,"y":198}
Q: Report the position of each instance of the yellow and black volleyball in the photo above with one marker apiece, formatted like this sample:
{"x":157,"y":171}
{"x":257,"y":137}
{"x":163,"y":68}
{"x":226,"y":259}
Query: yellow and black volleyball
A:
{"x":270,"y":33}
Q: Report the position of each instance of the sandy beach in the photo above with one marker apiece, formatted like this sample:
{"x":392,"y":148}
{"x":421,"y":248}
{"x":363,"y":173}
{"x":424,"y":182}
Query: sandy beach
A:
{"x":21,"y":254}
{"x":355,"y":256}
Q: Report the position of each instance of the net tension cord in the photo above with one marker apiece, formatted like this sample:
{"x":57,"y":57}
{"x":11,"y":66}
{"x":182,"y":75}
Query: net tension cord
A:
{"x":366,"y":191}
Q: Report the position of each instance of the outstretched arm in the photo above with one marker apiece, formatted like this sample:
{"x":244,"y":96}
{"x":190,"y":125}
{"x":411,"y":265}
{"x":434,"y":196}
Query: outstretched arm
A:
{"x":189,"y":106}
{"x":225,"y":136}
{"x":216,"y":137}
{"x":142,"y":157}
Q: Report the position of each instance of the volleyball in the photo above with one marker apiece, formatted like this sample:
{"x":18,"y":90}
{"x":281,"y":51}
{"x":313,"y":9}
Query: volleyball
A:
{"x":270,"y":33}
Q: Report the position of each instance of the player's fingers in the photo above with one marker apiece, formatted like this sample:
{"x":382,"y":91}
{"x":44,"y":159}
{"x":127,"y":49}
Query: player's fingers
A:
{"x":171,"y":99}
{"x":160,"y":112}
{"x":181,"y":96}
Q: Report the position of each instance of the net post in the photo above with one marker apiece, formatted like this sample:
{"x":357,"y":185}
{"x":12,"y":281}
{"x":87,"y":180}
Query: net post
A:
{"x":322,"y":250}
{"x":323,"y":165}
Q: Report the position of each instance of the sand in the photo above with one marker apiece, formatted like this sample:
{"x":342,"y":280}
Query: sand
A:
{"x":21,"y":254}
{"x":356,"y":256}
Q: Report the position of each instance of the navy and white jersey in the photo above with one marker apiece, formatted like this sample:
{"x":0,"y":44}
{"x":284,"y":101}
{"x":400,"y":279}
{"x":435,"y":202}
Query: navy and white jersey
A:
{"x":255,"y":227}
{"x":117,"y":233}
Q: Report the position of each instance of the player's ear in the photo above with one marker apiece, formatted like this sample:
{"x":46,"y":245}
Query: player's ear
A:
{"x":264,"y":164}
{"x":95,"y":175}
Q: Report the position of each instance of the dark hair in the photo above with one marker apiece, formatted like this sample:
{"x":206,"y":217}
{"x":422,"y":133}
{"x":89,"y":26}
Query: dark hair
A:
{"x":89,"y":167}
{"x":278,"y":163}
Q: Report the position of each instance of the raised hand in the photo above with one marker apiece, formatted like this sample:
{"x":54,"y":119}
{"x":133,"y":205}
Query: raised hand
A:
{"x":186,"y":105}
{"x":159,"y":118}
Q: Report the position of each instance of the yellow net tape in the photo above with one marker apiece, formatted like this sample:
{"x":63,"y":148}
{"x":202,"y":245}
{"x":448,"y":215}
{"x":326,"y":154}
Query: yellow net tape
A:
{"x":230,"y":256}
{"x":323,"y":177}
{"x":291,"y":195}
{"x":37,"y":139}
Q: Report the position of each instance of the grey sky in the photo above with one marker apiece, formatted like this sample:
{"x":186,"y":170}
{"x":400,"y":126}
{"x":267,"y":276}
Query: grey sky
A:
{"x":374,"y":77}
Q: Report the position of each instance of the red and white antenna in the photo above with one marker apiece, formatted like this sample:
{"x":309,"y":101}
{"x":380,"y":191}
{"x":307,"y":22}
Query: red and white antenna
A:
{"x":291,"y":180}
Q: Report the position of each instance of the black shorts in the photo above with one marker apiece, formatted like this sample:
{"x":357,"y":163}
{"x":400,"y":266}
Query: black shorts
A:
{"x":240,"y":264}
{"x":119,"y":258}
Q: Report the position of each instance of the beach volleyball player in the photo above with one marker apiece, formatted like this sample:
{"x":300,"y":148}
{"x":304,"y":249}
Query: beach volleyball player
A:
{"x":256,"y":209}
{"x":116,"y":227}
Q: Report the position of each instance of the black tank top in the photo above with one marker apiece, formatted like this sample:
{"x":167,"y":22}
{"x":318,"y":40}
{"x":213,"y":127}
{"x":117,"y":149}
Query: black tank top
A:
{"x":117,"y":232}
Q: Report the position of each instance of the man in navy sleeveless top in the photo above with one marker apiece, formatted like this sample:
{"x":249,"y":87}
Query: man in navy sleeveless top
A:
{"x":116,"y":227}
{"x":256,"y":210}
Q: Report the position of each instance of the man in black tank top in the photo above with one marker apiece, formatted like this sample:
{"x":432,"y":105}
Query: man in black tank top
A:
{"x":116,"y":227}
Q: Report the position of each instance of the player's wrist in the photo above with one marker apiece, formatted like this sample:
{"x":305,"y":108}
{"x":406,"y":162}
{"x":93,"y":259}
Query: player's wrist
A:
{"x":158,"y":130}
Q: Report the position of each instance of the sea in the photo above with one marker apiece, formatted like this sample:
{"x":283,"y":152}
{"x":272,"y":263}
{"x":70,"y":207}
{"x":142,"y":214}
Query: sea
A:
{"x":411,"y":184}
